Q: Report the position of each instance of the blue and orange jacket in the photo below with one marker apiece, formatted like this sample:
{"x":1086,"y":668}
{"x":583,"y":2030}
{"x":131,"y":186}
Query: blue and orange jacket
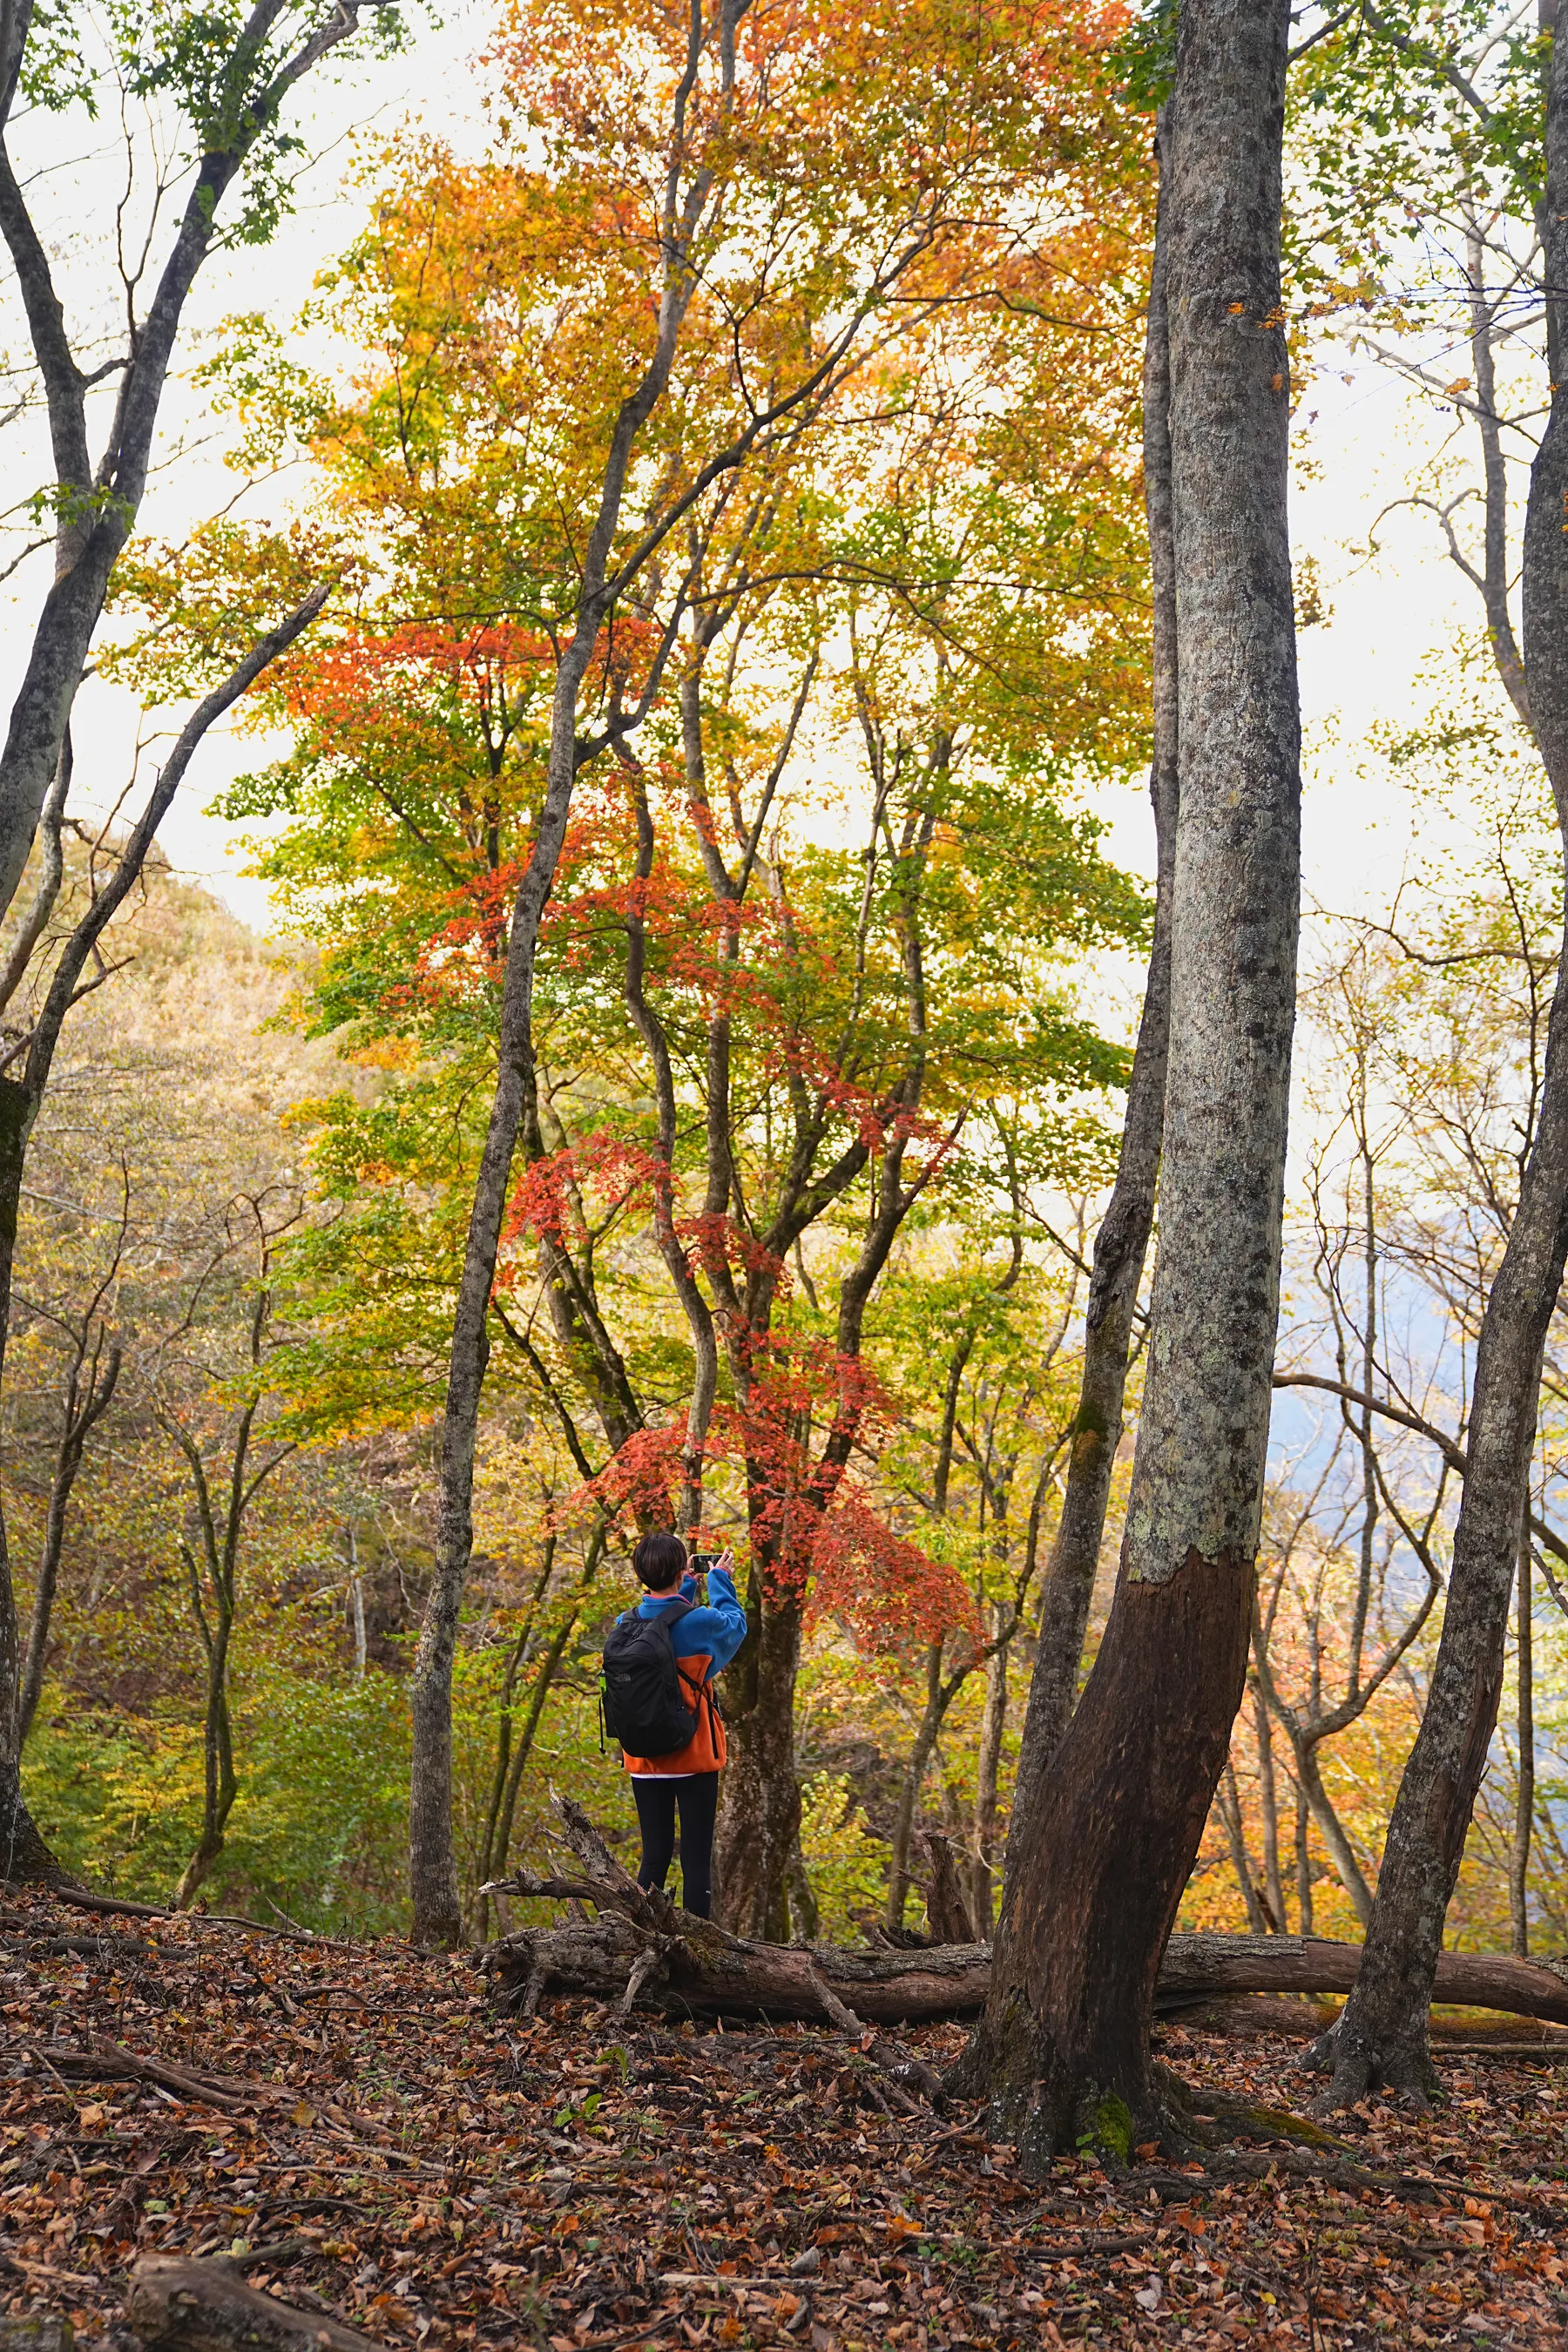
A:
{"x":704,"y":1641}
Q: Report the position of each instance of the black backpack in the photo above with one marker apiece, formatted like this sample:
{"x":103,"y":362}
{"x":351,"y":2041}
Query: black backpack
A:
{"x":643,"y":1696}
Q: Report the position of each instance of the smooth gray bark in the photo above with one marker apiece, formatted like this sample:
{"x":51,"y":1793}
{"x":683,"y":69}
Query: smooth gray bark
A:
{"x":1380,"y":2038}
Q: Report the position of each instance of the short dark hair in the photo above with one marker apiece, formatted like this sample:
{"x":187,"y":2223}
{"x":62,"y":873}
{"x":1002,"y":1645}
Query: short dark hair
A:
{"x":659,"y":1559}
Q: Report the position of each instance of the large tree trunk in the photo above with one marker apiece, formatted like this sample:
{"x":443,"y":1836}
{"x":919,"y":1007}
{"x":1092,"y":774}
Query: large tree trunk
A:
{"x":759,"y":1813}
{"x":1381,"y":2040}
{"x":1121,"y":1243}
{"x":1102,"y":1850}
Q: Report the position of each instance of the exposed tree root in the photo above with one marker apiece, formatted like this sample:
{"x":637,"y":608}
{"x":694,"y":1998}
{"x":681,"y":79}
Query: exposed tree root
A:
{"x":1404,"y":2074}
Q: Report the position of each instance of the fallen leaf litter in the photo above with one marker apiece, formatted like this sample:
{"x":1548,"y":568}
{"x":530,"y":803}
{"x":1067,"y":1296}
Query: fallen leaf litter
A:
{"x":395,"y":2153}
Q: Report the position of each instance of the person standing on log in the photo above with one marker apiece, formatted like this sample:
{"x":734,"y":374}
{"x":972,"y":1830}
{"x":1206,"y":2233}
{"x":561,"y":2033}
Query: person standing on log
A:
{"x":661,"y":1659}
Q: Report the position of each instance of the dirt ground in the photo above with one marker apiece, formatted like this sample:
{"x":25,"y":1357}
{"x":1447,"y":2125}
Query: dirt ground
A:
{"x":360,"y":2133}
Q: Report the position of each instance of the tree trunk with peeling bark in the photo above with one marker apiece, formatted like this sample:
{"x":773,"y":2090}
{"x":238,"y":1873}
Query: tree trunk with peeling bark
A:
{"x":1380,"y":2041}
{"x":1102,"y":1850}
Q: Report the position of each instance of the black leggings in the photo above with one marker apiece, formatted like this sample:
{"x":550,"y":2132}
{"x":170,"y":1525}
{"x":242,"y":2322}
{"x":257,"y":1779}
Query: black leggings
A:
{"x":697,"y":1795}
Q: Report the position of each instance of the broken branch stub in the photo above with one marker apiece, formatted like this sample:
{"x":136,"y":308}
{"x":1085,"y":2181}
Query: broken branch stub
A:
{"x":186,"y":2305}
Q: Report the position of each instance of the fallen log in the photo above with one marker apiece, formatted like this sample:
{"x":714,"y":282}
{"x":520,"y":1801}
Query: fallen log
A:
{"x":207,"y":2306}
{"x":690,"y":1966}
{"x":1207,"y":1967}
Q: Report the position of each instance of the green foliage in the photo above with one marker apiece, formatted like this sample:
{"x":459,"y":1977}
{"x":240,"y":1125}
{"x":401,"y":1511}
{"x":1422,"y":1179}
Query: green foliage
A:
{"x":223,"y":72}
{"x":1404,"y":124}
{"x":846,"y":1865}
{"x":1146,"y":55}
{"x":319,"y":1831}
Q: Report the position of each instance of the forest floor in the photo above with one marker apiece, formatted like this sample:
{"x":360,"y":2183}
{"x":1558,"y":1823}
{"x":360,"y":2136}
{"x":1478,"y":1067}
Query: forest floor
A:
{"x":374,"y":2142}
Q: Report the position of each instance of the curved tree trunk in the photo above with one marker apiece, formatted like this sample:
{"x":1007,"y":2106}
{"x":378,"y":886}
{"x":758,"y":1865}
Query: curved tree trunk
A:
{"x":1103,"y":1847}
{"x":23,"y":1853}
{"x":432,"y":1862}
{"x":1380,"y":2039}
{"x":1121,"y":1243}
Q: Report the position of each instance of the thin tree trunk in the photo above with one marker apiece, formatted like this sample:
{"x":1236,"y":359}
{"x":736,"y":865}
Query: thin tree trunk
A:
{"x":220,"y":1556}
{"x":1304,"y":1864}
{"x":515,"y":1764}
{"x":23,"y":1853}
{"x":432,"y":1862}
{"x":988,"y":1771}
{"x":356,"y":1607}
{"x":1269,"y":1795}
{"x":804,"y":1914}
{"x":83,"y":1407}
{"x":910,"y":1785}
{"x":1342,"y":1854}
{"x":1230,"y":1804}
{"x":1380,"y":2040}
{"x":935,"y":1705}
{"x":1103,"y":1847}
{"x":1121,"y":1243}
{"x":220,"y":1785}
{"x":1524,"y":1801}
{"x":96,"y":513}
{"x":666,"y":1223}
{"x":1494,"y":476}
